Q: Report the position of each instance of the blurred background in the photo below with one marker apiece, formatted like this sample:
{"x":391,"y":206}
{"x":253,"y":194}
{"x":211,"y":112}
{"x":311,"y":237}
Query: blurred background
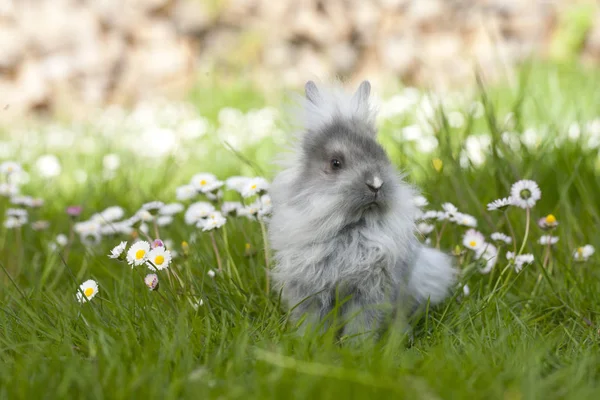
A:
{"x":65,"y":56}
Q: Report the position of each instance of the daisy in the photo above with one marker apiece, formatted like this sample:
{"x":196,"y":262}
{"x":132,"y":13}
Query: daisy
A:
{"x":523,"y":260}
{"x":547,"y":239}
{"x":12,"y":222}
{"x":236,"y":183}
{"x":112,"y":214}
{"x":89,"y":289}
{"x":205,"y":182}
{"x":40,"y":225}
{"x":525,"y":193}
{"x":138,"y":253}
{"x":548,"y":222}
{"x":214,"y":220}
{"x":61,"y":239}
{"x":26,"y":201}
{"x":230,"y":206}
{"x":185,"y":192}
{"x":266,"y":206}
{"x":429,"y":215}
{"x":118,"y":250}
{"x":250,"y":211}
{"x":501,"y":237}
{"x":171,"y":209}
{"x":465,"y":220}
{"x":449,"y":209}
{"x":473,"y":240}
{"x":10,"y":167}
{"x":424,"y":229}
{"x":144,"y":215}
{"x":510,"y":255}
{"x":17,"y":213}
{"x":151,"y":280}
{"x":8,"y":190}
{"x":489,"y":254}
{"x":157,"y":243}
{"x":254,"y":186}
{"x":211,"y":273}
{"x":500,"y":204}
{"x":74,"y":211}
{"x":164,"y":220}
{"x":197,"y":211}
{"x":584,"y":253}
{"x":159,"y":258}
{"x":420,"y":201}
{"x":153,"y":207}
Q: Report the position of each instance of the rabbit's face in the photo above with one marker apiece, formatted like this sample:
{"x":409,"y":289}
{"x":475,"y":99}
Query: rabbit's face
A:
{"x":344,"y":162}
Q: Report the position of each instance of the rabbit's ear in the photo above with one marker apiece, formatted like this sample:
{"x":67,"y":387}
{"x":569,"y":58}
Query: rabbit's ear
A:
{"x":361,"y":97}
{"x":312,"y":92}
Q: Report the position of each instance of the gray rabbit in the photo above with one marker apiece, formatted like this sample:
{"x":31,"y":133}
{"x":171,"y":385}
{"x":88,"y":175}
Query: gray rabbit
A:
{"x":342,"y":226}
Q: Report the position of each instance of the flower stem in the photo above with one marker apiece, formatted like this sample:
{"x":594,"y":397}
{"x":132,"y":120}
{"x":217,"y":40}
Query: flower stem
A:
{"x":526,"y":232}
{"x":512,"y":232}
{"x":216,"y":250}
{"x":439,"y":235}
{"x":266,"y":245}
{"x":156,"y":234}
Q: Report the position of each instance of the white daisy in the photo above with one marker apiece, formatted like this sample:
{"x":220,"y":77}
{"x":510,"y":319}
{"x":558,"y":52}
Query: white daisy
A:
{"x":523,"y":260}
{"x":547,"y":239}
{"x":473,"y":240}
{"x":138,"y":253}
{"x":8,"y":189}
{"x":118,"y":250}
{"x":250,"y":211}
{"x":151,"y":280}
{"x":112,"y":214}
{"x":489,"y":254}
{"x":171,"y":209}
{"x":420,"y":201}
{"x":185,"y":192}
{"x":40,"y":225}
{"x":214,"y":220}
{"x":61,"y":239}
{"x":548,"y":222}
{"x":205,"y":182}
{"x":211,"y":273}
{"x":160,"y":257}
{"x":153,"y":207}
{"x":501,"y":237}
{"x":197,"y":211}
{"x":429,"y":215}
{"x":441,"y":215}
{"x":236,"y":183}
{"x":500,"y":204}
{"x":89,"y":289}
{"x":164,"y":220}
{"x":12,"y":222}
{"x":85,"y":228}
{"x":10,"y":167}
{"x":17,"y":213}
{"x":266,"y":206}
{"x":510,"y":255}
{"x":144,"y":215}
{"x":584,"y":253}
{"x":26,"y":201}
{"x":465,"y":220}
{"x":254,"y":186}
{"x":424,"y":229}
{"x":230,"y":206}
{"x":525,"y":193}
{"x":450,"y":209}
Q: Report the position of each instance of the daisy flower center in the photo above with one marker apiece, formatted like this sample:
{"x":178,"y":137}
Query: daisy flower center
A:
{"x":550,"y":219}
{"x":203,"y":182}
{"x":140,"y":254}
{"x":88,"y":292}
{"x":525,"y":194}
{"x":159,"y":260}
{"x":472,"y":243}
{"x":253,"y":186}
{"x":580,"y":251}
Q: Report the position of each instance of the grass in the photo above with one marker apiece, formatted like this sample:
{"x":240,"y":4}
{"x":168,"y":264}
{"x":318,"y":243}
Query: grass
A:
{"x":511,"y":338}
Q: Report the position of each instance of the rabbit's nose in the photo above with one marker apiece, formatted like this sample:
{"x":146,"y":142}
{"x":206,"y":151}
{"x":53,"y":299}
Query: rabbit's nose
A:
{"x":375,"y":184}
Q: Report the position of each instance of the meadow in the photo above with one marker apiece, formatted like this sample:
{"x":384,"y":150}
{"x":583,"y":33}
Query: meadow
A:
{"x":520,"y":327}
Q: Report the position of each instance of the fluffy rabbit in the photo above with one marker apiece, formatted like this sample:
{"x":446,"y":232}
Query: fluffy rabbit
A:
{"x":343,"y":221}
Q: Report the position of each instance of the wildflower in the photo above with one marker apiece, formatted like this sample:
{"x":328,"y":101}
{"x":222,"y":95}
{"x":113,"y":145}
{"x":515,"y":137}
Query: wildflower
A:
{"x":547,"y":239}
{"x":17,"y":213}
{"x":266,"y":206}
{"x":185,"y":192}
{"x":151,"y":280}
{"x":144,"y":215}
{"x":74,"y":211}
{"x":112,"y":214}
{"x":510,"y":255}
{"x":8,"y":189}
{"x":456,"y":119}
{"x":164,"y":220}
{"x":500,"y":204}
{"x":48,"y":166}
{"x":523,"y":260}
{"x":153,"y":207}
{"x":428,"y":215}
{"x":87,"y":228}
{"x":211,"y":273}
{"x":466,"y":290}
{"x":36,"y":202}
{"x":138,"y":253}
{"x":465,"y":220}
{"x":420,"y":201}
{"x":230,"y":206}
{"x":501,"y":237}
{"x":117,"y":251}
{"x":185,"y":247}
{"x":111,"y":162}
{"x":438,"y":164}
{"x":159,"y":258}
{"x":13,"y":222}
{"x":197,"y":211}
{"x":489,"y":254}
{"x":473,"y":240}
{"x":548,"y":222}
{"x":441,"y":215}
{"x":525,"y":193}
{"x":583,"y":253}
{"x":26,"y":201}
{"x":254,"y":186}
{"x":89,"y":289}
{"x":205,"y":182}
{"x":40,"y":225}
{"x":424,"y":229}
{"x":61,"y":239}
{"x":212,"y":196}
{"x":450,"y":209}
{"x":10,"y":167}
{"x":250,"y":211}
{"x":171,"y":209}
{"x":157,"y":243}
{"x":214,"y":220}
{"x":236,"y":183}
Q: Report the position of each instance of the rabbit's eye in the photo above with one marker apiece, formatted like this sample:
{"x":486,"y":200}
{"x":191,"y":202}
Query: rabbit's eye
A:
{"x":336,"y":164}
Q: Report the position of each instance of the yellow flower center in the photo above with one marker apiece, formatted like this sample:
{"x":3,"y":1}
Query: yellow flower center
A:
{"x":159,"y":260}
{"x":140,"y":254}
{"x":580,"y":251}
{"x":437,"y":164}
{"x":472,"y":243}
{"x":247,"y":246}
{"x":203,"y":182}
{"x":550,"y":219}
{"x":88,"y":292}
{"x":253,"y":186}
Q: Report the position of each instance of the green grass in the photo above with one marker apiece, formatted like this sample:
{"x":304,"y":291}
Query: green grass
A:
{"x":511,"y":338}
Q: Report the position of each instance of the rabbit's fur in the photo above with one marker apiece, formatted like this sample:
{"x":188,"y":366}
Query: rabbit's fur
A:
{"x":345,"y":230}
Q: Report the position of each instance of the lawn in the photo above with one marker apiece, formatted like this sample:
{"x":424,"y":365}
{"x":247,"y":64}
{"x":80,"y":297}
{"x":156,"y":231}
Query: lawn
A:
{"x":205,"y":333}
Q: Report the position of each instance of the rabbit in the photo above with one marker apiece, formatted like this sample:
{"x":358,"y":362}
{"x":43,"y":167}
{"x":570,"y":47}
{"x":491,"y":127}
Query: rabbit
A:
{"x":342,"y":224}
